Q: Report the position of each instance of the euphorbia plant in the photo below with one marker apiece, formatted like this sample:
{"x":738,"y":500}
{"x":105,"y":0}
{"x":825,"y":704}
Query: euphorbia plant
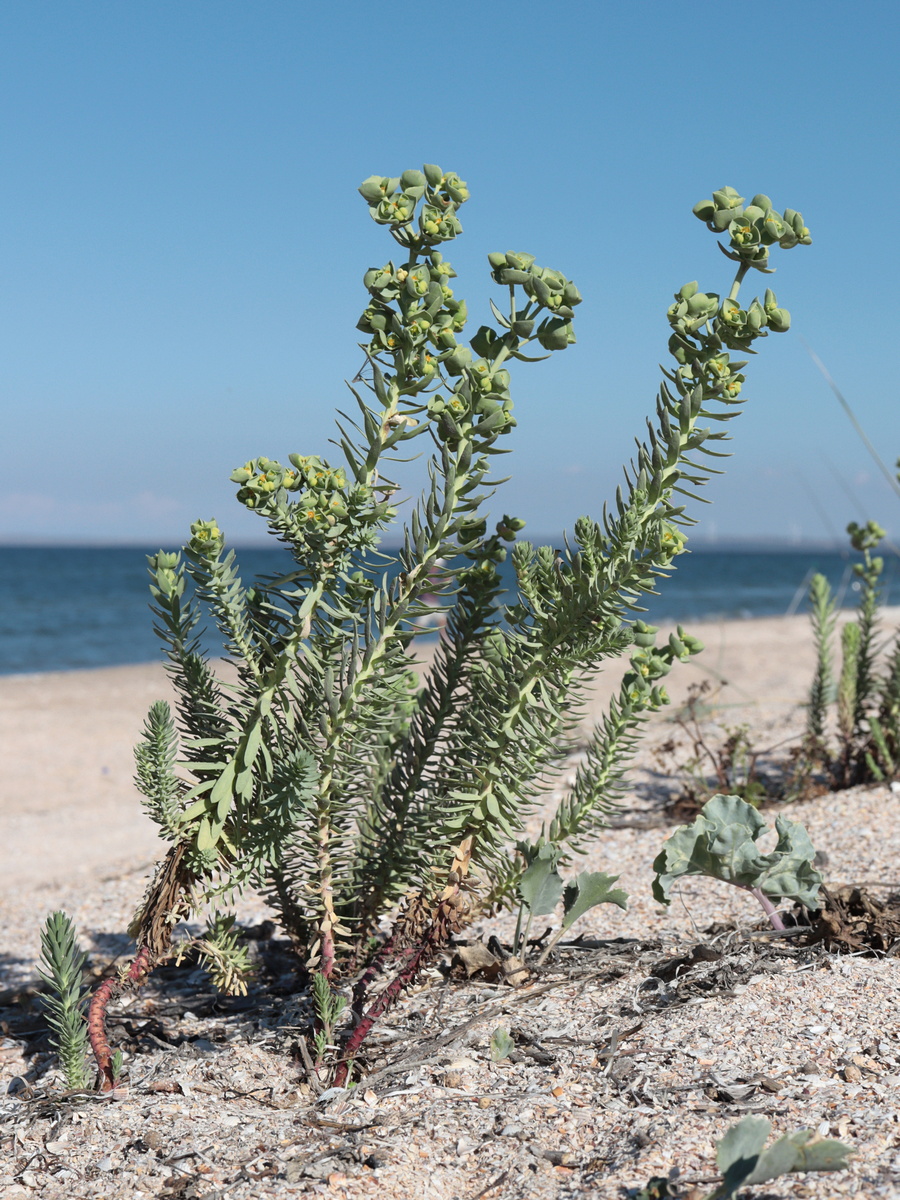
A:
{"x":868,"y":702}
{"x":327,"y":774}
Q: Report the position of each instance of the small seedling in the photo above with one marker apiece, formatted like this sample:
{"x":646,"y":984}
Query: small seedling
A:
{"x":62,"y":968}
{"x":328,"y":1006}
{"x":502,"y":1044}
{"x":721,"y":844}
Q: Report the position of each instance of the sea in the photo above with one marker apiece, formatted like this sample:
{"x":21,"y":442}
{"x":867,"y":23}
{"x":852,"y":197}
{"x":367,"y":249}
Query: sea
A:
{"x":71,"y":608}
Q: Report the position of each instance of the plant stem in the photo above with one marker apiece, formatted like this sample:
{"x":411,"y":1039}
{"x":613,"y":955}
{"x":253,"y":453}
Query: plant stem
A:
{"x":442,"y":924}
{"x":767,"y":905}
{"x":135,"y":975}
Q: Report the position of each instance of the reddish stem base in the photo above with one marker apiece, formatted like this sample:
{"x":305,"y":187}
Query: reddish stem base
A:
{"x":134,"y":976}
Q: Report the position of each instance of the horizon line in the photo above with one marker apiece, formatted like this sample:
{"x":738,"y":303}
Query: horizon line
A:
{"x":724,"y":543}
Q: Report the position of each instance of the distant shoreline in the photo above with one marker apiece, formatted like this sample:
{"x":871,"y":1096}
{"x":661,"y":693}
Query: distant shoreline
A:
{"x":724,"y":545}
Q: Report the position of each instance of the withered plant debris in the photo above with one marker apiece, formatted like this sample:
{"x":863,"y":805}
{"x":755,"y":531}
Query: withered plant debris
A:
{"x":853,"y":920}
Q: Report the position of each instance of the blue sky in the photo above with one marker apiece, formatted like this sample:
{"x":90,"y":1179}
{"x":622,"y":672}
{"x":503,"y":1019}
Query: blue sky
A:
{"x":183,"y":244}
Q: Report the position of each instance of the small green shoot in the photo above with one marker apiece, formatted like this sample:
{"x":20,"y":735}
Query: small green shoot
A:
{"x":502,"y":1044}
{"x":328,"y":1006}
{"x":62,"y":967}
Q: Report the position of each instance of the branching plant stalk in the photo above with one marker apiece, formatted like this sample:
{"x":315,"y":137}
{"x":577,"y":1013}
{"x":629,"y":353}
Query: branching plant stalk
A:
{"x":324,"y":776}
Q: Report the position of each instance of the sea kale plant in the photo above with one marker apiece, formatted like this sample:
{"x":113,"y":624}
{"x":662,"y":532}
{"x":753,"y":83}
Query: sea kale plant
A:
{"x":722,"y":844}
{"x":379,"y":810}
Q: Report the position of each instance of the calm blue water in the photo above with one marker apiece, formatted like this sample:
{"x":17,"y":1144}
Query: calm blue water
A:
{"x":66,"y":608}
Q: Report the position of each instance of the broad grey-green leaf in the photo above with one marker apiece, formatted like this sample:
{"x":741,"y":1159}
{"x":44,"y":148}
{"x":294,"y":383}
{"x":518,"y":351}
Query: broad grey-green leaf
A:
{"x":721,"y":843}
{"x":541,"y":885}
{"x":799,"y":1152}
{"x":587,"y":890}
{"x":743,"y":1141}
{"x":742,"y":1160}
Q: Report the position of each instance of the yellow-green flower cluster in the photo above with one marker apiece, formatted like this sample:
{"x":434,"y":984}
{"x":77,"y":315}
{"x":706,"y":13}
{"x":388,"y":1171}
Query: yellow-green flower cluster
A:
{"x":413,"y":311}
{"x":705,"y":324}
{"x":649,"y":664}
{"x":393,"y":201}
{"x":752,"y":227}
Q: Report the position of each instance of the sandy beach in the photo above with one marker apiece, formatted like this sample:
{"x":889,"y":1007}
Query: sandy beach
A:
{"x":69,"y":812}
{"x":74,"y":836}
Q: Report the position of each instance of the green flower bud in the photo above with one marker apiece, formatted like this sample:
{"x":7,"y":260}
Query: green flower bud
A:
{"x":167,"y":561}
{"x":394,"y":210}
{"x":207,"y":539}
{"x":704,"y":209}
{"x":718,"y":367}
{"x":433,"y":174}
{"x":481,"y":369}
{"x":553,"y":333}
{"x":671,"y":540}
{"x":497,"y":260}
{"x":756,"y":317}
{"x":732,"y":314}
{"x":571,"y":295}
{"x":438,"y":224}
{"x":460,"y":314}
{"x":732,"y":386}
{"x":727,"y":198}
{"x":644,"y":634}
{"x":375,"y":188}
{"x":413,"y":179}
{"x":418,"y":281}
{"x":441,"y":265}
{"x":456,"y":362}
{"x":692,"y":644}
{"x":455,"y":188}
{"x":773,"y":227}
{"x":865,"y":537}
{"x":445,"y":339}
{"x":743,"y":233}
